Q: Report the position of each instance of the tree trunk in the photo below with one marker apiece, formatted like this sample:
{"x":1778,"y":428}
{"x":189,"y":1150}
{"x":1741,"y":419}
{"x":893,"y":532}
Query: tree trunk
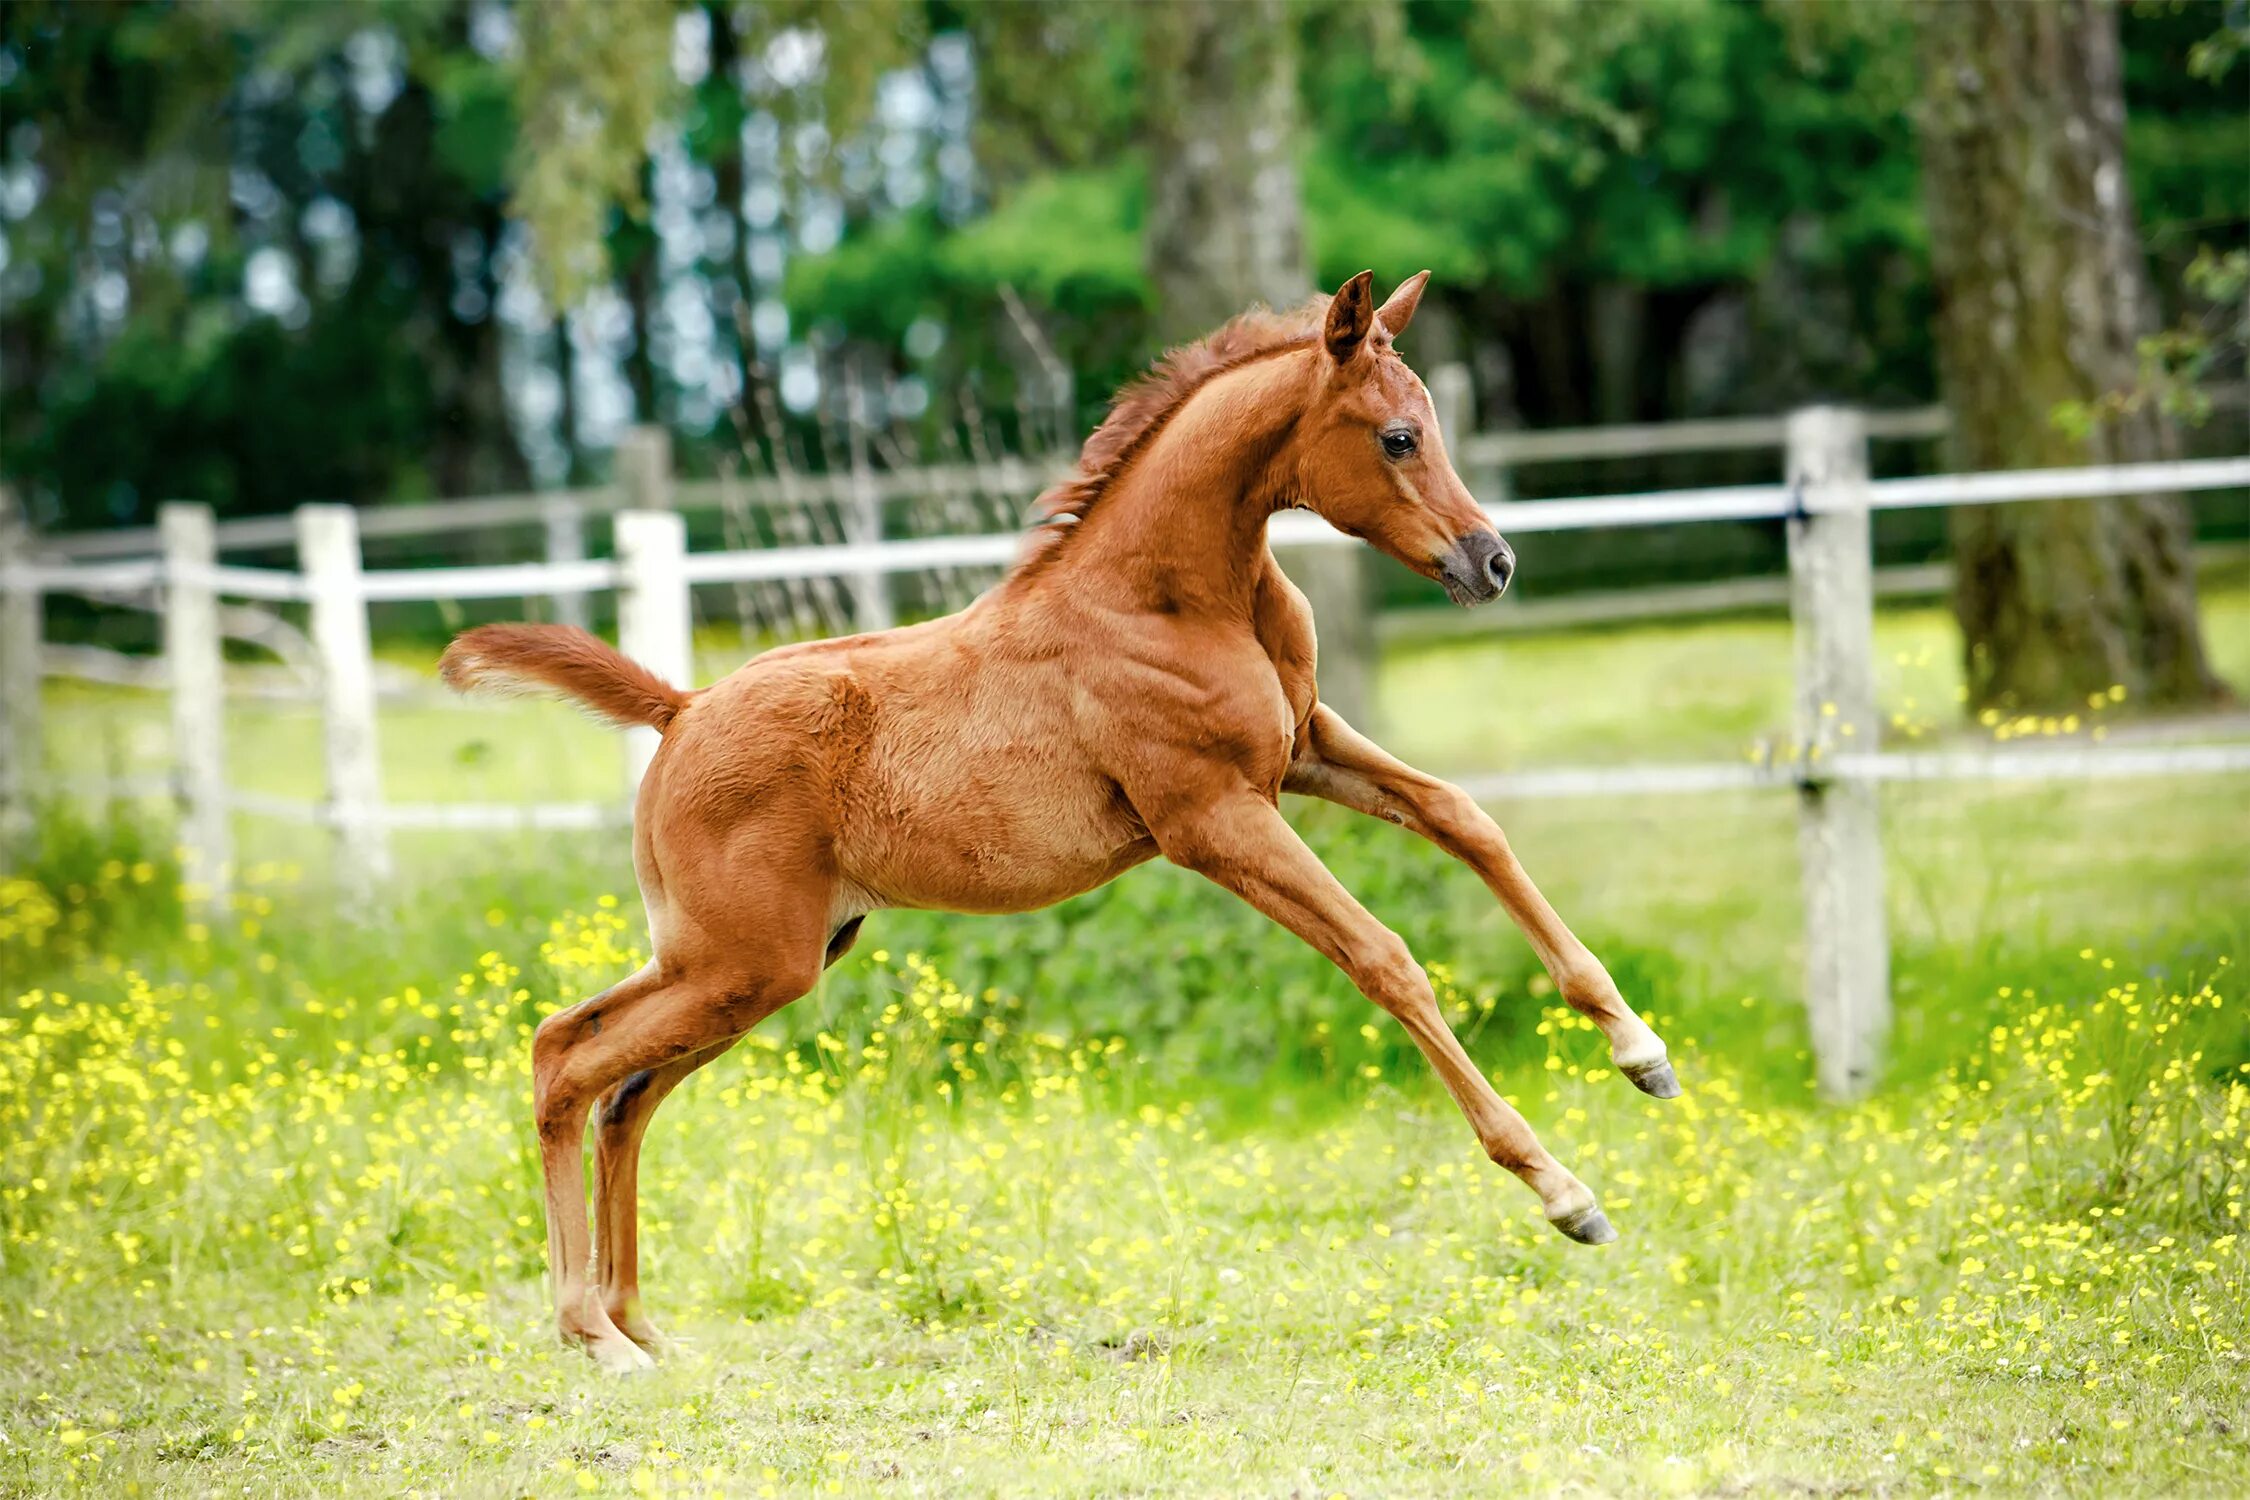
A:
{"x":727,"y":181}
{"x":2042,"y":297}
{"x":635,"y":250}
{"x":1226,"y":229}
{"x":566,"y":413}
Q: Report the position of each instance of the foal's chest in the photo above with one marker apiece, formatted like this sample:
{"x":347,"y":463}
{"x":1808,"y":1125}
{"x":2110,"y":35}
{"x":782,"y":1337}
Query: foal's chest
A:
{"x":1284,"y":625}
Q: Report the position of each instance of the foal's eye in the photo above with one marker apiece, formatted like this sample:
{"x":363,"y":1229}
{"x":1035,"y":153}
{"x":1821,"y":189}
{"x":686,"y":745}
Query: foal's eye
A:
{"x":1399,"y":442}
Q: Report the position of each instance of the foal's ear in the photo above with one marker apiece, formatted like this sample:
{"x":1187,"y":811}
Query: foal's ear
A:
{"x":1351,"y":317}
{"x":1395,"y":314}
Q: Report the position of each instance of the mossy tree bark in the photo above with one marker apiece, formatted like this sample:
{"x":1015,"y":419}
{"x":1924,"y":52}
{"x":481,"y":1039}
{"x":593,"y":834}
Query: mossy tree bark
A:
{"x":1225,"y":225}
{"x":2042,"y":298}
{"x":1226,"y":229}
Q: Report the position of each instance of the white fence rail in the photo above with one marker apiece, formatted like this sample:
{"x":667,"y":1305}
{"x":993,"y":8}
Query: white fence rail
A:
{"x":849,"y":505}
{"x":644,"y":481}
{"x":1834,"y":766}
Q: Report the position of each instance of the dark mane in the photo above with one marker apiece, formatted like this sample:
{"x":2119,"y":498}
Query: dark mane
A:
{"x":1142,"y":407}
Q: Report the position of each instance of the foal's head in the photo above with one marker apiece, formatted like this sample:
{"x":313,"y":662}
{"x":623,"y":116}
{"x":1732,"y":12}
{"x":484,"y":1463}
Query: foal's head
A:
{"x":1370,"y":458}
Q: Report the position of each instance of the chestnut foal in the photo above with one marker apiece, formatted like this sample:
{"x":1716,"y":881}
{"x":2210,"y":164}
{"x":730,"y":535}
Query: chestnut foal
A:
{"x":1141,"y":683}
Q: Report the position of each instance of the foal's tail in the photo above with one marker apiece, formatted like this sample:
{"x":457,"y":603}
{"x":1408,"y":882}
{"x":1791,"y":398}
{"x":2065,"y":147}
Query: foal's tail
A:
{"x":565,"y":660}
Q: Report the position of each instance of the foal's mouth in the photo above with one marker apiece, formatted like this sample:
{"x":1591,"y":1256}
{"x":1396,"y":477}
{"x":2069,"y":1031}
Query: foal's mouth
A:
{"x":1476,"y":568}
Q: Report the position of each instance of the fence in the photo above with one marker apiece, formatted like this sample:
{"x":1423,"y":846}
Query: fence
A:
{"x":1835,"y":766}
{"x":849,"y":505}
{"x":643,"y":479}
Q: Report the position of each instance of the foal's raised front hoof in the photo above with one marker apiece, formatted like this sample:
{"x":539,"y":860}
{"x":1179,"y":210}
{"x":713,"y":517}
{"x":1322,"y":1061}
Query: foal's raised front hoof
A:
{"x":1588,"y":1226}
{"x":1655,"y":1079}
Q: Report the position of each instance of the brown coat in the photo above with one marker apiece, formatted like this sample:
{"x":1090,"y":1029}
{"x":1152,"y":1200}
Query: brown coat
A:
{"x":1142,"y":683}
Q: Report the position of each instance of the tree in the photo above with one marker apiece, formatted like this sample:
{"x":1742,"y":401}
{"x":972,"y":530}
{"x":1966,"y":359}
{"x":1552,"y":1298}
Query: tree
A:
{"x":1225,"y":220}
{"x":183,"y":159}
{"x":1588,"y":184}
{"x":2043,"y":300}
{"x":1226,"y":229}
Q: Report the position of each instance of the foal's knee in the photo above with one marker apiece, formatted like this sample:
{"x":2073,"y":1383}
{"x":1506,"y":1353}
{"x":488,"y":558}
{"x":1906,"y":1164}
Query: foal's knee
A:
{"x":1388,"y":972}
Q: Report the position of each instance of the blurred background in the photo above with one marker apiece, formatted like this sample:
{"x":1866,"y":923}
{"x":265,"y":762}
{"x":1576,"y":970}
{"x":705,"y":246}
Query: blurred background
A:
{"x":329,"y":328}
{"x":822,"y":273}
{"x":259,"y":255}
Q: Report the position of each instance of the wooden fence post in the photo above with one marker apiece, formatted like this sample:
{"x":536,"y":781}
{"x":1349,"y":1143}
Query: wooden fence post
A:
{"x":1453,"y":394}
{"x":563,"y":520}
{"x":1335,"y":584}
{"x":653,"y":625}
{"x":863,"y":517}
{"x":328,"y":556}
{"x":22,"y":629}
{"x":192,"y":657}
{"x":643,"y":468}
{"x":1839,"y":834}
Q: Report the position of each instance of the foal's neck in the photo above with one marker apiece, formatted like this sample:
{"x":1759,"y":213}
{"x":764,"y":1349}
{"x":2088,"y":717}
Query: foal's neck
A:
{"x":1184,"y":527}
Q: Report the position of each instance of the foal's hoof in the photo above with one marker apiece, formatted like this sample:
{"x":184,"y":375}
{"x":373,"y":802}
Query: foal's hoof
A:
{"x":617,"y":1355}
{"x":1655,"y":1079}
{"x":653,"y":1341}
{"x":1588,"y":1226}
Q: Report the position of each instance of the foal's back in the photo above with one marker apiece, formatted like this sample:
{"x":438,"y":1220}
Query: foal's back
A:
{"x":939,"y":765}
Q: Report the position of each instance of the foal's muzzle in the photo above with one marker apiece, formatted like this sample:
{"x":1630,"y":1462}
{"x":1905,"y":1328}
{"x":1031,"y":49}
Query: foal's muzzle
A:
{"x":1477,"y":568}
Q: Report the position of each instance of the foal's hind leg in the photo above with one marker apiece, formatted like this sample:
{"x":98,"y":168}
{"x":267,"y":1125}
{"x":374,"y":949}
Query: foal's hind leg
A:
{"x":667,"y":1012}
{"x":565,"y":1060}
{"x":620,"y":1125}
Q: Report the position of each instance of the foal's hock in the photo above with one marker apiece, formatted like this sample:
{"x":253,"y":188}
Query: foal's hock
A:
{"x":1140,"y":683}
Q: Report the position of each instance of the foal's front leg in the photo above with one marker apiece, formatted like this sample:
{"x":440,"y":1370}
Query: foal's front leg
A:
{"x":1242,"y":842}
{"x":1336,"y":762}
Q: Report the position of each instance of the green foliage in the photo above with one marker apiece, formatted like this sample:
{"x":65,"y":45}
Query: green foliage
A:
{"x":1068,"y":243}
{"x":594,"y":81}
{"x":1553,"y":140}
{"x":1072,"y":240}
{"x":141,"y":125}
{"x":476,"y":140}
{"x":1586,"y":181}
{"x":246,"y":416}
{"x":286,"y":1182}
{"x":1516,"y":150}
{"x":1058,"y":82}
{"x":85,"y":885}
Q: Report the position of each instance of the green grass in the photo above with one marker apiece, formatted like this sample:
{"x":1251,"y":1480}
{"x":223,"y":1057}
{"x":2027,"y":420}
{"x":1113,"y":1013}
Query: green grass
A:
{"x":1705,"y":886}
{"x":290,"y":1242}
{"x":1688,"y":690}
{"x":1141,"y":1206}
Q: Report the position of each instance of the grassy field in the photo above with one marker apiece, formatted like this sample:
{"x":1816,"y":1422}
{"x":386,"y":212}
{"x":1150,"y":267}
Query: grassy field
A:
{"x":931,"y":1249}
{"x":1693,"y":899}
{"x":1136,"y":1196}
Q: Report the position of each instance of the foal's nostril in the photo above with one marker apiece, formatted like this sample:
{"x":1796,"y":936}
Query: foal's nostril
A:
{"x":1477,"y":567}
{"x":1501,"y":566}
